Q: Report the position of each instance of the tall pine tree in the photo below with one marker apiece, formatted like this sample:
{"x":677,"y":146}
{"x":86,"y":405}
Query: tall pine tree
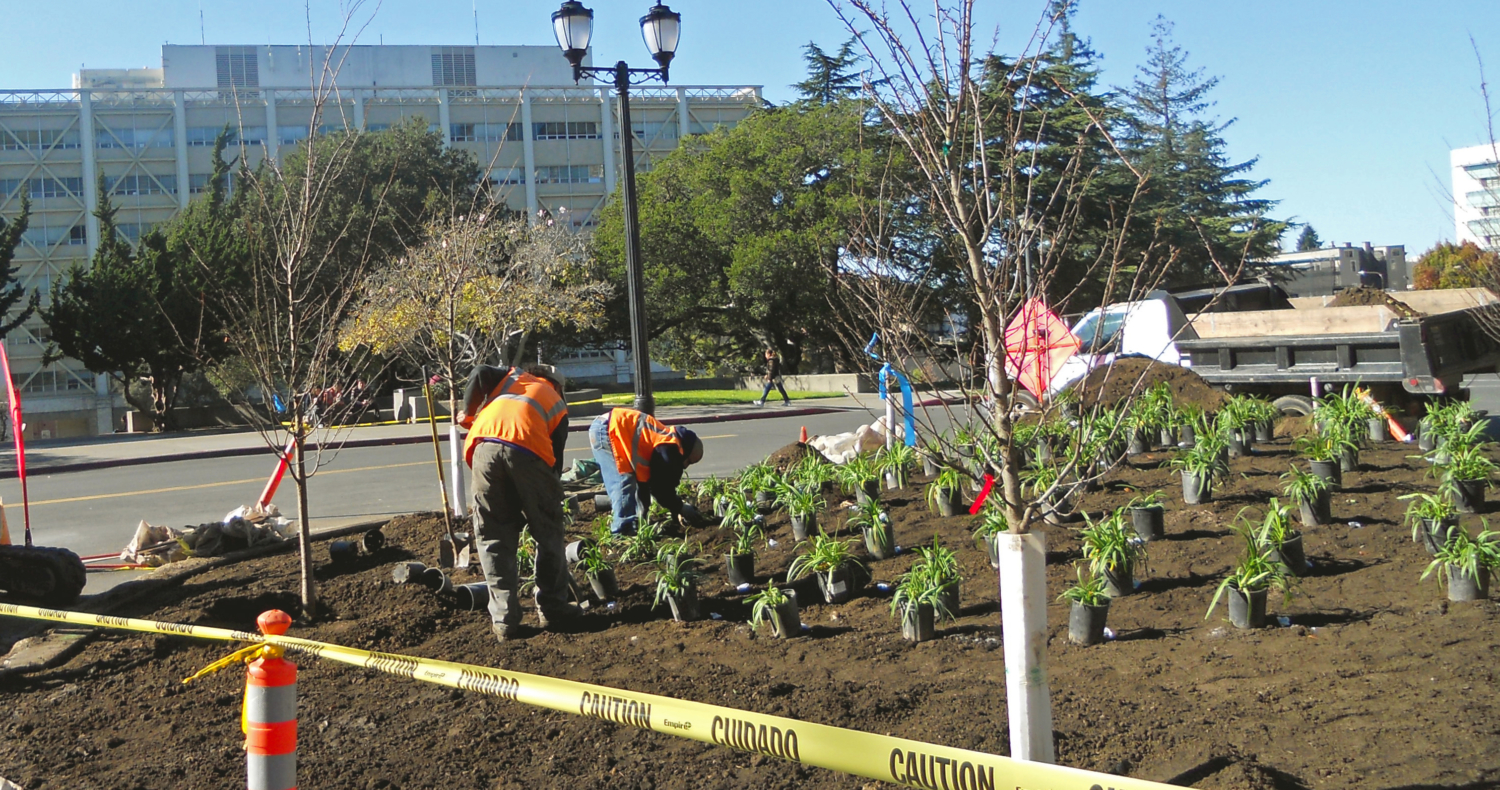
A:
{"x":12,"y":293}
{"x":1203,"y":219}
{"x":829,"y":77}
{"x":1309,"y":240}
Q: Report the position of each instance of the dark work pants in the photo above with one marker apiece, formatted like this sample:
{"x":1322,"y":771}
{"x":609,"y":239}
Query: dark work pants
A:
{"x":515,"y":490}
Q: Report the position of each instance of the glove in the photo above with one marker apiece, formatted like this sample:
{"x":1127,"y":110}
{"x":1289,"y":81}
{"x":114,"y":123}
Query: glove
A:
{"x":691,"y":516}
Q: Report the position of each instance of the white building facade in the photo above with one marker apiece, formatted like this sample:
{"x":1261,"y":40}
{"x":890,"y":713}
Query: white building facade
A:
{"x":544,"y":143}
{"x":1476,"y":195}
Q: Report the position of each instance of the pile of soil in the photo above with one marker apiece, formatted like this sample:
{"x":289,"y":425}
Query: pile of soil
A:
{"x":1361,"y":296}
{"x":1131,"y":376}
{"x":1374,"y":680}
{"x":791,"y":454}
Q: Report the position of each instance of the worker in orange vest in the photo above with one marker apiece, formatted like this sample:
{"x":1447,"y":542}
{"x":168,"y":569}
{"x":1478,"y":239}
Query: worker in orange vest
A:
{"x":640,"y":458}
{"x":518,"y":425}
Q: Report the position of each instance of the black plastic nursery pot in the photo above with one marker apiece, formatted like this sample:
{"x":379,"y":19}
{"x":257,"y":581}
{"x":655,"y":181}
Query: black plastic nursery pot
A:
{"x":880,"y":541}
{"x":343,"y":552}
{"x":1247,"y":610}
{"x":434,"y":579}
{"x":1238,"y":448}
{"x":918,"y":623}
{"x":1187,"y":436}
{"x":765,"y":500}
{"x":605,"y":584}
{"x":1086,"y":623}
{"x":1197,"y":490}
{"x":949,"y":597}
{"x":721,"y":507}
{"x":473,"y":597}
{"x":684,"y":604}
{"x":408,"y":572}
{"x":1265,"y":431}
{"x":1168,"y":438}
{"x":741,"y":568}
{"x":601,"y":503}
{"x":1434,"y":534}
{"x":1468,"y":495}
{"x":992,"y":549}
{"x":372,"y":541}
{"x":1463,"y":587}
{"x":1291,"y":555}
{"x":1149,"y":522}
{"x":1119,"y":581}
{"x":1426,"y":439}
{"x":1348,"y":460}
{"x":950,"y":503}
{"x":1318,"y":511}
{"x":1137,"y":444}
{"x":804,"y":526}
{"x":867,"y":491}
{"x":1378,"y":431}
{"x":786,"y":618}
{"x":1328,"y":470}
{"x":929,"y":466}
{"x":838,"y":585}
{"x":894,"y":481}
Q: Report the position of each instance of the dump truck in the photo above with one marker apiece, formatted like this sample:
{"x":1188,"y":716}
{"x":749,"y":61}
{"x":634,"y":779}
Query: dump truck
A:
{"x":1405,"y":348}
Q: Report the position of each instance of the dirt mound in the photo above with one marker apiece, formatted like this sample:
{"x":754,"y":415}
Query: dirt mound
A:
{"x":1361,"y":296}
{"x":1131,"y":376}
{"x":791,"y":454}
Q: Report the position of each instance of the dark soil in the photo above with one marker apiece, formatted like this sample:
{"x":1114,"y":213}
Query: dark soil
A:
{"x":791,"y":454}
{"x":1356,"y":297}
{"x":1376,"y":682}
{"x":1130,"y":376}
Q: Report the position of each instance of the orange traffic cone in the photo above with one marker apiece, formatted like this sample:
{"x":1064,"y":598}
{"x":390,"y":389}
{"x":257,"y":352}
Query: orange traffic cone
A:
{"x":4,"y":528}
{"x":804,"y":435}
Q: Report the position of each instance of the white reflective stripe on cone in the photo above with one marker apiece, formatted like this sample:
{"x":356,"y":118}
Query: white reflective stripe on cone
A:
{"x":270,"y":704}
{"x":272,"y":772}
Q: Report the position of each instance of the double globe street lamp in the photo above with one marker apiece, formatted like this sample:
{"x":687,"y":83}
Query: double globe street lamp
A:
{"x":574,"y":26}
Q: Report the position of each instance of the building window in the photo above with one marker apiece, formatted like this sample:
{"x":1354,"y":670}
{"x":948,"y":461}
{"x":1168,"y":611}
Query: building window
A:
{"x":570,"y":174}
{"x":507,"y":176}
{"x":453,"y":66}
{"x":105,"y":137}
{"x":291,"y":135}
{"x":486,"y":132}
{"x":204,"y":136}
{"x":37,"y":139}
{"x":136,"y":185}
{"x":129,"y":231}
{"x":42,"y":188}
{"x":198,"y":184}
{"x":655,"y":130}
{"x":78,"y":236}
{"x":570,"y":130}
{"x":237,"y":67}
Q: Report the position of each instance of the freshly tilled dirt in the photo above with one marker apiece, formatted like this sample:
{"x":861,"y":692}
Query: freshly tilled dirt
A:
{"x":1376,"y":682}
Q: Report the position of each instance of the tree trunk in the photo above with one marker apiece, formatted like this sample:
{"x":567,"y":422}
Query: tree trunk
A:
{"x":304,"y":527}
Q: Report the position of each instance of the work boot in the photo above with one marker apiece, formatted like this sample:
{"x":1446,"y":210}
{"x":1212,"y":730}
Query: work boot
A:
{"x":505,"y":631}
{"x":560,"y":620}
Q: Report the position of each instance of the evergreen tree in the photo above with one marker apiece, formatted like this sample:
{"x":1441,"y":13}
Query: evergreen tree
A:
{"x":1204,"y":220}
{"x":11,"y":292}
{"x":1309,"y":240}
{"x":829,"y":77}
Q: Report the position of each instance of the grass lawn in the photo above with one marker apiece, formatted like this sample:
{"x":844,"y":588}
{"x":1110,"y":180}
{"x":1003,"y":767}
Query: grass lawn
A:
{"x":711,"y":397}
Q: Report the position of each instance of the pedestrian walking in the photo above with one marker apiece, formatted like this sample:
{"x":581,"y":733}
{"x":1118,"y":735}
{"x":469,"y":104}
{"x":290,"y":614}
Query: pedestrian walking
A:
{"x":773,"y":379}
{"x":518,"y":426}
{"x":640,"y":458}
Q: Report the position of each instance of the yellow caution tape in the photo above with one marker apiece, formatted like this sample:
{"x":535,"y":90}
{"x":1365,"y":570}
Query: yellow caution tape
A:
{"x":882,"y":757}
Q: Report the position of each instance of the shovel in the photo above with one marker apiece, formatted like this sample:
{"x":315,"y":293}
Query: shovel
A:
{"x":450,"y":554}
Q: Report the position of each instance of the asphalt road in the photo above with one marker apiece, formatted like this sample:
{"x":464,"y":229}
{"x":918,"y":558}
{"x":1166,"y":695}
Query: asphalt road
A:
{"x":95,"y":512}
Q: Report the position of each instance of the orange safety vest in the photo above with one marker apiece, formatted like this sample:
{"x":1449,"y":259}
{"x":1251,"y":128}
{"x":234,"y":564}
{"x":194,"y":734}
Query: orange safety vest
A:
{"x":522,"y":410}
{"x":633,"y":437}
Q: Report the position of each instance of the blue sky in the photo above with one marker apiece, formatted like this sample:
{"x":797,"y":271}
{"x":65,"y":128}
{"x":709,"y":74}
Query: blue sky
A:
{"x":1351,"y":107}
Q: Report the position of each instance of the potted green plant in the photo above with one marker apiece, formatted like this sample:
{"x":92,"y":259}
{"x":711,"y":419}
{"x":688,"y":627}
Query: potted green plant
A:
{"x":1200,"y":465}
{"x":643,"y":544}
{"x":941,"y":564}
{"x":677,"y":584}
{"x":600,"y":571}
{"x":812,"y":472}
{"x":803,"y":505}
{"x":740,"y":561}
{"x":1468,"y":564}
{"x":895,"y":463}
{"x":916,"y":603}
{"x":1433,"y":517}
{"x":1041,"y":482}
{"x":857,"y":476}
{"x":713,"y":490}
{"x":1323,"y":450}
{"x":1236,"y":422}
{"x":931,"y":460}
{"x":760,"y":481}
{"x":1089,"y":608}
{"x":832,"y":562}
{"x":944,"y":495}
{"x":1284,"y":541}
{"x":1191,"y":421}
{"x":1467,"y":471}
{"x":992,"y":522}
{"x":873,"y":521}
{"x":779,"y":607}
{"x":1113,"y":551}
{"x":1313,"y":495}
{"x":1251,"y":581}
{"x":1148,"y":516}
{"x":1263,"y":414}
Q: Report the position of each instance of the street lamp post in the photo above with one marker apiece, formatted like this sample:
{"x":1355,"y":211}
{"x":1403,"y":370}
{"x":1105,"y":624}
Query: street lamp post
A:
{"x":574,"y":25}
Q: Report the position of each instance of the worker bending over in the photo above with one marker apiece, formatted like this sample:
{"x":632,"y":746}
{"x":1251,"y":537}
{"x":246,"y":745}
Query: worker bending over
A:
{"x":518,"y":425}
{"x":640,"y":458}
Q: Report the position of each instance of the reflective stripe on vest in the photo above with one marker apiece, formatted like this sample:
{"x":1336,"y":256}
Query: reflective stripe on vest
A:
{"x":633,"y":456}
{"x":530,"y":427}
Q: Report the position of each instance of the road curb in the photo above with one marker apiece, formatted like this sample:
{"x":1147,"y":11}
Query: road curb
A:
{"x":234,"y":452}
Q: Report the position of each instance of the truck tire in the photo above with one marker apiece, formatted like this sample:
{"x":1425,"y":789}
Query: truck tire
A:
{"x":1294,"y":404}
{"x":49,"y":576}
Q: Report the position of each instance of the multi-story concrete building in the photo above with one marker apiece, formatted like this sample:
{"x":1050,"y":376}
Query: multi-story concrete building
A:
{"x":545,"y":143}
{"x":1476,"y":195}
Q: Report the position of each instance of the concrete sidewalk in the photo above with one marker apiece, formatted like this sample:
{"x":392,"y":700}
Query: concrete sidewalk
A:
{"x":129,"y":449}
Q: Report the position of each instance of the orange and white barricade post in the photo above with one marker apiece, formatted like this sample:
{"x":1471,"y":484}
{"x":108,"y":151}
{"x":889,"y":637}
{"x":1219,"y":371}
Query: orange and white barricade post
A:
{"x":270,"y":713}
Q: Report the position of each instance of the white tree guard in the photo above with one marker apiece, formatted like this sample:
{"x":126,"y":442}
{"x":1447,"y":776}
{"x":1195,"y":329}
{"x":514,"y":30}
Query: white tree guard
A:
{"x":1023,"y":612}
